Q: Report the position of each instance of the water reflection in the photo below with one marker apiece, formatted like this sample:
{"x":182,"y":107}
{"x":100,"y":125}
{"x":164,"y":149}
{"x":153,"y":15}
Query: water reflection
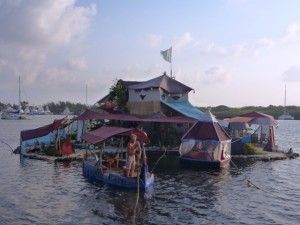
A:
{"x":39,"y":192}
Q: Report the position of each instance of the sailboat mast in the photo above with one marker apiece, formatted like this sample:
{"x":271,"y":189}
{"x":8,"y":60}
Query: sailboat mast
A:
{"x":284,"y":112}
{"x":86,"y":95}
{"x":19,"y":93}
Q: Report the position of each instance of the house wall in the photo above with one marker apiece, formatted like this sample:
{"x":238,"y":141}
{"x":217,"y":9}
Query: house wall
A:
{"x":144,"y":108}
{"x":150,"y":103}
{"x":150,"y":95}
{"x":155,"y":94}
{"x":174,"y":97}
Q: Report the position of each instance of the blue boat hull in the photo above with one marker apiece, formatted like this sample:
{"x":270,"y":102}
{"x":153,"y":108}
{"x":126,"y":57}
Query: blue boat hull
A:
{"x":95,"y":173}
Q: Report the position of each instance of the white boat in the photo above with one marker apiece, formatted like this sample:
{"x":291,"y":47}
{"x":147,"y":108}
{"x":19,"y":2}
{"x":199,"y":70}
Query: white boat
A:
{"x":47,"y":111}
{"x":67,"y":112}
{"x":12,"y":114}
{"x":285,"y":115}
{"x":38,"y":110}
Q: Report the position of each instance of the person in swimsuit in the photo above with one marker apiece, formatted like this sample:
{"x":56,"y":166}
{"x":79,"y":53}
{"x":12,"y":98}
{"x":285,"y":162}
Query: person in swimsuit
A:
{"x":132,"y":147}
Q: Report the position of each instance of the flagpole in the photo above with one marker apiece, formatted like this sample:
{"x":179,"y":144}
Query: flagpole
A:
{"x":171,"y":69}
{"x":171,"y":57}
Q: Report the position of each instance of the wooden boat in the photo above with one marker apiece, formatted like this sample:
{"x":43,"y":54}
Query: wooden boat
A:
{"x":99,"y":169}
{"x":205,"y":145}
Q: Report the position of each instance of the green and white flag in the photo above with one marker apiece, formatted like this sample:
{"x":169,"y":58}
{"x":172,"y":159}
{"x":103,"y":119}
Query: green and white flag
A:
{"x":167,"y":54}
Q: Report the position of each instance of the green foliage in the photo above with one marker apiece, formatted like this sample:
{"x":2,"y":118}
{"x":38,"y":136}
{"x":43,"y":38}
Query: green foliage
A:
{"x":224,"y":111}
{"x":59,"y":107}
{"x":163,"y":135}
{"x":24,"y":104}
{"x":55,"y":108}
{"x":117,"y":92}
{"x":172,"y":138}
{"x":248,"y":149}
{"x":51,"y":151}
{"x":73,"y":136}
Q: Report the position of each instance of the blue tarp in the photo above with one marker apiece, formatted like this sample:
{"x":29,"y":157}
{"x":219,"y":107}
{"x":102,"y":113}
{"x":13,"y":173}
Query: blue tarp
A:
{"x":47,"y":139}
{"x":187,"y":109}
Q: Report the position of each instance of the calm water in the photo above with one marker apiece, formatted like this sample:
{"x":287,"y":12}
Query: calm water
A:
{"x":39,"y":192}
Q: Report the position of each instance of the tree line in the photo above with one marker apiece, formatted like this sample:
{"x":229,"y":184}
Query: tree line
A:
{"x":220,"y":111}
{"x":223,"y":111}
{"x":56,"y":108}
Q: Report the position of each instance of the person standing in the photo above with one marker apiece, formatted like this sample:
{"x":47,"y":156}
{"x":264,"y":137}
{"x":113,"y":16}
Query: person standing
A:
{"x":132,"y":147}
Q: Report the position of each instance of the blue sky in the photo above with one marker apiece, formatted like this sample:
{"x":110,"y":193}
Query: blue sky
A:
{"x":232,"y":52}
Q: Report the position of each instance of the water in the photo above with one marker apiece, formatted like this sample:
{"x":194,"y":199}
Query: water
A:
{"x":39,"y":192}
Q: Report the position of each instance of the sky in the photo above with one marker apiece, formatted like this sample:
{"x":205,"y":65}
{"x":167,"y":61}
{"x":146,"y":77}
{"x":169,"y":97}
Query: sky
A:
{"x":231,"y":52}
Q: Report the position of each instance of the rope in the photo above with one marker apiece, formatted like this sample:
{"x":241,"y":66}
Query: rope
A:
{"x":249,"y":183}
{"x":234,"y":164}
{"x":11,"y":150}
{"x":159,"y":160}
{"x":138,"y":191}
{"x":236,"y":140}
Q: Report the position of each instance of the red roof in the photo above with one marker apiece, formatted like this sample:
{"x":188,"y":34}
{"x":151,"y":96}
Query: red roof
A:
{"x":165,"y":82}
{"x":44,"y":130}
{"x":255,"y":118}
{"x":207,"y":131}
{"x":105,"y":132}
{"x":89,"y":115}
{"x":207,"y":128}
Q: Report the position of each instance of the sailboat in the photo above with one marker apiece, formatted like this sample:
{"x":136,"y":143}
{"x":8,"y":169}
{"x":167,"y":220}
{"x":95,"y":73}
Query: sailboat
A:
{"x":12,"y":114}
{"x":285,"y":115}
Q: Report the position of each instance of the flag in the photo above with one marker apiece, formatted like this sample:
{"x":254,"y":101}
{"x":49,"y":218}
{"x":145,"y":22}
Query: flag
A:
{"x":167,"y":54}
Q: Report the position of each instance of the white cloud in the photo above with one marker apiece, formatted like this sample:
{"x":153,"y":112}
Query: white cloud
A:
{"x":292,"y":32}
{"x":292,"y":74}
{"x":216,"y":75}
{"x":76,"y":63}
{"x":265,"y":43}
{"x":215,"y":50}
{"x":154,"y":40}
{"x":243,"y":50}
{"x":240,"y":50}
{"x":39,"y":38}
{"x":44,"y":22}
{"x":183,"y":40}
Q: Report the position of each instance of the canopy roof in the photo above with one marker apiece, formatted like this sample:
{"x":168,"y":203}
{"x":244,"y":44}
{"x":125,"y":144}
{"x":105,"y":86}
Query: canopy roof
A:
{"x":184,"y":108}
{"x":207,"y":128}
{"x":187,"y":109}
{"x":106,"y":132}
{"x":44,"y":130}
{"x":89,"y":115}
{"x":254,"y":118}
{"x":165,"y":82}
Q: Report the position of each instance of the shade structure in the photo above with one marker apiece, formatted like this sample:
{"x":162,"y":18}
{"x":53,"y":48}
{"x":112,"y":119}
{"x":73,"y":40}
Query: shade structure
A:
{"x":44,"y":130}
{"x":207,"y":128}
{"x":93,"y":115}
{"x":206,"y":140}
{"x":105,"y":132}
{"x":255,"y":118}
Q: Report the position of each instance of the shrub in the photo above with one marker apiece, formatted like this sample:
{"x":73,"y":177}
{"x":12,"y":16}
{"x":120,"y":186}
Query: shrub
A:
{"x":248,"y":149}
{"x":51,"y":151}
